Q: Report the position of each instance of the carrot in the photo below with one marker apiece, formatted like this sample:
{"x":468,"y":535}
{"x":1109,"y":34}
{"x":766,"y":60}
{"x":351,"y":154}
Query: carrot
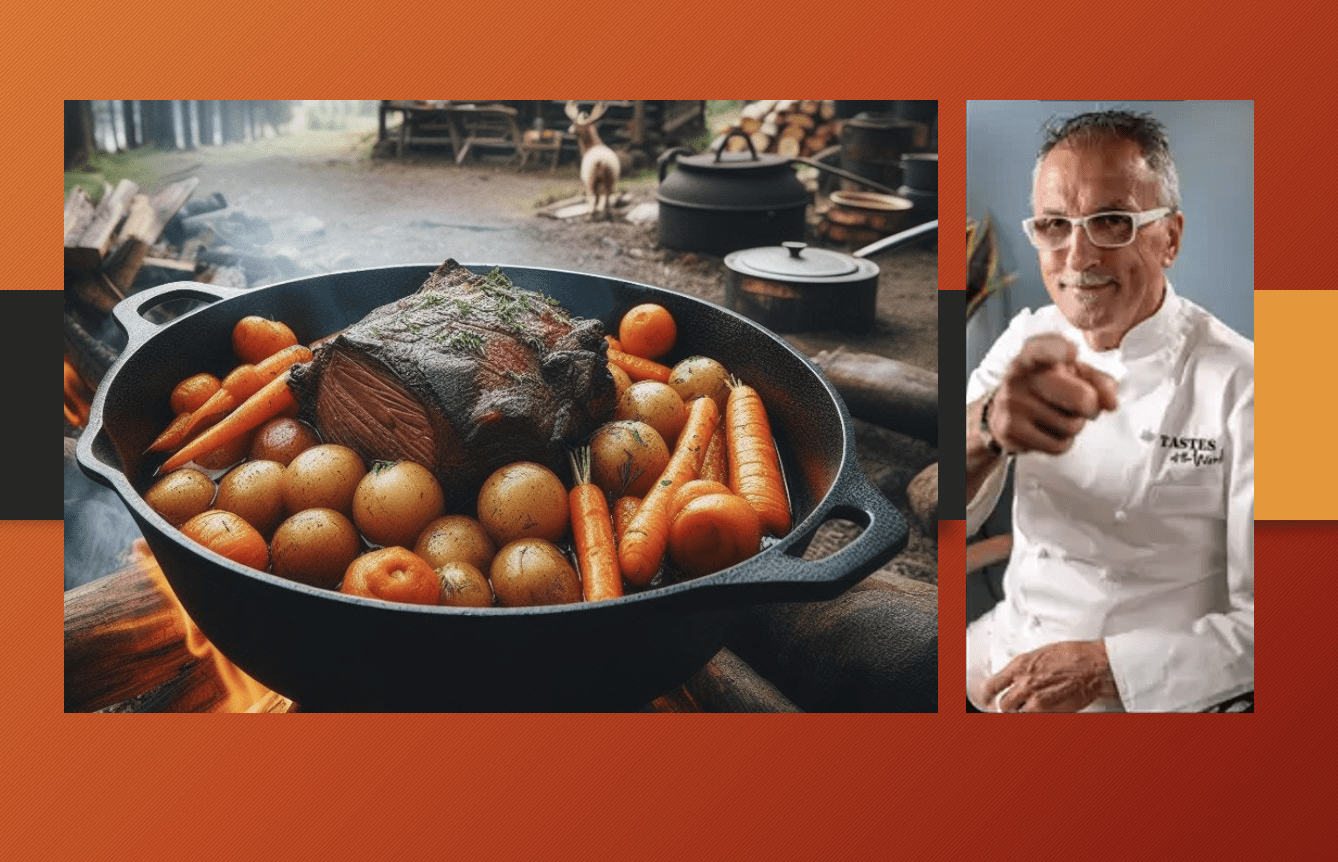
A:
{"x":643,"y":544}
{"x":754,"y":471}
{"x":624,"y":509}
{"x":272,"y":399}
{"x":592,"y":530}
{"x":639,"y":368}
{"x":241,"y":383}
{"x":715,"y":466}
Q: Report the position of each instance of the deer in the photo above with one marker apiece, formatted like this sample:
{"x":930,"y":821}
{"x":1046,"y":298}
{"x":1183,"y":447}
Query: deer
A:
{"x":599,"y":164}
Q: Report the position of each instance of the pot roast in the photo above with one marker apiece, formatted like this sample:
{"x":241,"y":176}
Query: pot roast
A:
{"x":465,"y":375}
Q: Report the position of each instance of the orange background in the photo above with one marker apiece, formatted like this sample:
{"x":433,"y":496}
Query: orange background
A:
{"x":730,"y":786}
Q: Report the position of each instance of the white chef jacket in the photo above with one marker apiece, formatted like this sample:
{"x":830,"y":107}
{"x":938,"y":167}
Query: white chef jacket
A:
{"x":1142,"y":534}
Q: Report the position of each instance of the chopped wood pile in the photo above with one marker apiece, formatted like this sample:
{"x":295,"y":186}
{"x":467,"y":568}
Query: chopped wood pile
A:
{"x":132,"y":239}
{"x":785,"y":127}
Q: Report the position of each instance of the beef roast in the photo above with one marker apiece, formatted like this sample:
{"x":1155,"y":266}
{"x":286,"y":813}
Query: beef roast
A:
{"x":463,"y":376}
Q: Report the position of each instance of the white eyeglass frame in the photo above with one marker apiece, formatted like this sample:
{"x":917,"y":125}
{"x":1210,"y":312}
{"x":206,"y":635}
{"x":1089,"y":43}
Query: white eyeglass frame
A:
{"x":1139,"y":219}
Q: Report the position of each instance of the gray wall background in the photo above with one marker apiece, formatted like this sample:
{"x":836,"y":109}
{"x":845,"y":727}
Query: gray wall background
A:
{"x":1213,"y":144}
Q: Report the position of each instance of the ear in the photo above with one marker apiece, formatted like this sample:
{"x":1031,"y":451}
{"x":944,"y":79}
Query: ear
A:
{"x":1175,"y":229}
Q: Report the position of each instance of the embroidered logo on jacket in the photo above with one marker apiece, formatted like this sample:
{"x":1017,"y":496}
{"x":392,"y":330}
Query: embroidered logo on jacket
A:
{"x":1199,"y":451}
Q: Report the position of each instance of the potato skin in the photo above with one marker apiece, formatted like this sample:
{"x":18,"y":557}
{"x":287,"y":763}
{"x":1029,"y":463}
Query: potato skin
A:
{"x":529,"y":572}
{"x":464,"y":586}
{"x":181,"y":495}
{"x":456,"y":539}
{"x":524,"y":500}
{"x":323,"y":477}
{"x":315,"y":547}
{"x":627,"y":457}
{"x":254,"y":490}
{"x":701,"y":375}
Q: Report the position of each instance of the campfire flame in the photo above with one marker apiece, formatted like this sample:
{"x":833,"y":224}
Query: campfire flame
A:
{"x":241,"y":693}
{"x":78,"y":397}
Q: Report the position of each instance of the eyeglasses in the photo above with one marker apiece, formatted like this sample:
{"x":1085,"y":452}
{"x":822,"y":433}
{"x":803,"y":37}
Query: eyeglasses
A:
{"x":1105,"y":230}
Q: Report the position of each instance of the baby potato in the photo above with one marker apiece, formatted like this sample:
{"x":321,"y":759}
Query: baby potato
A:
{"x":464,"y":586}
{"x":701,"y":375}
{"x":524,"y":500}
{"x":530,"y":572}
{"x":282,"y":439}
{"x":254,"y":490}
{"x":315,"y":547}
{"x":227,"y":534}
{"x":181,"y":495}
{"x":227,"y":455}
{"x":627,"y":457}
{"x":656,"y":404}
{"x":456,"y":539}
{"x":395,"y":501}
{"x":323,"y":477}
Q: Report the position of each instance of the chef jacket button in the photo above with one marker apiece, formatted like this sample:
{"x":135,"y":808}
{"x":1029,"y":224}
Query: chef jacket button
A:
{"x":1043,"y":554}
{"x":1147,"y":436}
{"x":1033,"y":484}
{"x":1035,"y":622}
{"x":1121,"y":516}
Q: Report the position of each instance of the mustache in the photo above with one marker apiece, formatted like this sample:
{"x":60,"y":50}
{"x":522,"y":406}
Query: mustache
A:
{"x":1086,"y":278}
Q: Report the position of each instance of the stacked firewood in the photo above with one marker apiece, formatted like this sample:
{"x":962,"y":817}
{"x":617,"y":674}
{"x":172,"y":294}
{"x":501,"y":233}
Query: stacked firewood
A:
{"x":118,"y":244}
{"x":785,"y":127}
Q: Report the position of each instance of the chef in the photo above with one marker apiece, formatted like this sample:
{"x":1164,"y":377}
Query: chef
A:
{"x":1126,"y":413}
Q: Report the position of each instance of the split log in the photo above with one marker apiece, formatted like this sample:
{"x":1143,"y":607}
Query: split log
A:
{"x":142,"y":228}
{"x":922,"y":494}
{"x":788,"y":147}
{"x":90,"y":249}
{"x":877,"y":389}
{"x":79,"y":211}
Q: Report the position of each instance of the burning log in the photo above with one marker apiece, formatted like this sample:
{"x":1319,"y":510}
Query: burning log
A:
{"x":123,"y":637}
{"x":90,"y":357}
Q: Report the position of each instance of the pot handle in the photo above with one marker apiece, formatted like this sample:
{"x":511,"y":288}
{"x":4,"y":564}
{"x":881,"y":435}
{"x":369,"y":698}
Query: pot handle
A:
{"x":720,"y":150}
{"x":787,"y":577}
{"x":840,"y":172}
{"x":129,"y":312}
{"x":669,"y":156}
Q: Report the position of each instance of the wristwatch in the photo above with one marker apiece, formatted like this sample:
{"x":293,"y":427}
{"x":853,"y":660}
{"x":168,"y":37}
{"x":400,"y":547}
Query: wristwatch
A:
{"x":985,"y":424}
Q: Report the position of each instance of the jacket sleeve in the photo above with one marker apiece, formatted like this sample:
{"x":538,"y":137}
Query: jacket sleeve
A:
{"x":1213,"y":659}
{"x":984,"y":377}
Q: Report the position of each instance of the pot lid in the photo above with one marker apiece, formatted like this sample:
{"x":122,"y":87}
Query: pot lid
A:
{"x":718,"y":159}
{"x":797,"y":261}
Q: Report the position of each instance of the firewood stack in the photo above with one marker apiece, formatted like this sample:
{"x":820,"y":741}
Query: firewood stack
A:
{"x":785,"y":127}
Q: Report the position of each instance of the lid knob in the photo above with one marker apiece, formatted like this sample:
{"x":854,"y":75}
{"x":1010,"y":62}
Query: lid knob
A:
{"x":794,"y":247}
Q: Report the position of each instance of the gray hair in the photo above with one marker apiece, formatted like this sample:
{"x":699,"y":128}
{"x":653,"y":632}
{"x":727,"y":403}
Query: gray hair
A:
{"x":1101,"y":126}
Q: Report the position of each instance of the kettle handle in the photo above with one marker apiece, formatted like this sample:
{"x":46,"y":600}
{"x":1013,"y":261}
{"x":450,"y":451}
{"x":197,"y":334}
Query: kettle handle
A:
{"x":669,"y":156}
{"x":720,"y":150}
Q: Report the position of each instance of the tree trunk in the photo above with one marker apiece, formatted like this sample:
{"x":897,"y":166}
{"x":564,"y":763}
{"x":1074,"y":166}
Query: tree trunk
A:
{"x":78,"y":133}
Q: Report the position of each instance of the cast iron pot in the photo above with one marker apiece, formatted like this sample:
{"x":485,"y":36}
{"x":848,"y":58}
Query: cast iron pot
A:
{"x":328,"y":651}
{"x":718,"y":202}
{"x":793,"y":287}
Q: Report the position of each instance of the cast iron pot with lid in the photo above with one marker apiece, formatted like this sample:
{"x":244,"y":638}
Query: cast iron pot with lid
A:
{"x":794,"y":287}
{"x":329,"y":651}
{"x":720,"y":201}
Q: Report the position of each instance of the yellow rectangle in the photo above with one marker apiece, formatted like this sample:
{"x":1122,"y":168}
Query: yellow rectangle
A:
{"x":1296,"y":420}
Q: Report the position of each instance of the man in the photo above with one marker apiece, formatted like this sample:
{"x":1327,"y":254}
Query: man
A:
{"x":1127,"y":413}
